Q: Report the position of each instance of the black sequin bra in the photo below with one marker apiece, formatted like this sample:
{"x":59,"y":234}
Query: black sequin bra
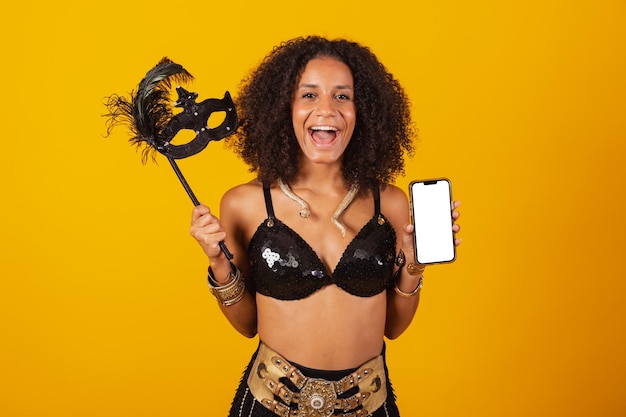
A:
{"x":285,"y":267}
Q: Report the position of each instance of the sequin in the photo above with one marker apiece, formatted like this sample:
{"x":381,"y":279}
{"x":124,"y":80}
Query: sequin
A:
{"x":270,"y":257}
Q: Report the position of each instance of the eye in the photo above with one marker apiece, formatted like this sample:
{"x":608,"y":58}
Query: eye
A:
{"x":308,"y":95}
{"x":342,"y":97}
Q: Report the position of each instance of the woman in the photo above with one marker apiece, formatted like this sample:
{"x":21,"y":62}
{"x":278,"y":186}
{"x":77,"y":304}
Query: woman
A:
{"x":320,"y":238}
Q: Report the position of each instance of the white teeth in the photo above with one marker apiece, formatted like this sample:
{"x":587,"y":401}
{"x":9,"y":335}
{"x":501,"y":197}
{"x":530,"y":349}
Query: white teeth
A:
{"x":329,"y":128}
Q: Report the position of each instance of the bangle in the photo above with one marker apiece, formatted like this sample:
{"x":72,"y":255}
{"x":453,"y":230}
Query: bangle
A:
{"x":230,"y":293}
{"x":413,"y":269}
{"x":409,"y":294}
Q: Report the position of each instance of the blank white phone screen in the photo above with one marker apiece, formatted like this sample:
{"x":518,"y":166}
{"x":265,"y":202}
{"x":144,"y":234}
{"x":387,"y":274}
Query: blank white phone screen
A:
{"x":432,"y":216}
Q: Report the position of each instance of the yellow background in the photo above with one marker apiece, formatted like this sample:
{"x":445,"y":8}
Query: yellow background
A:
{"x":104,"y":309}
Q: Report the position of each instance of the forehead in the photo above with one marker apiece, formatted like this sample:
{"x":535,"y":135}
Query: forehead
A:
{"x":326,"y":70}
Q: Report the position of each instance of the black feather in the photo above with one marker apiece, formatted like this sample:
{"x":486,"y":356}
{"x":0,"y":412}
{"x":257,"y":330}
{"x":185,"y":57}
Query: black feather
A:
{"x":148,"y":110}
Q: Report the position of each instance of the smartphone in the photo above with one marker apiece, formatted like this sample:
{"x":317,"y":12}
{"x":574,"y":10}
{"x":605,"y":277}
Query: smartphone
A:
{"x":431,"y":214}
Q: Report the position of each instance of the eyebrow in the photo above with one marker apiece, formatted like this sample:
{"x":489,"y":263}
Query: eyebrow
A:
{"x":340,"y":86}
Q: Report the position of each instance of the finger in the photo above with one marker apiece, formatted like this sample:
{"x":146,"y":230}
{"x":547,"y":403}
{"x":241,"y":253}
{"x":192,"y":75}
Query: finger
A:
{"x":199,"y":211}
{"x":204,"y":226}
{"x":206,"y":219}
{"x":407,"y":237}
{"x":457,"y":241}
{"x":455,"y":213}
{"x":211,"y":240}
{"x":203,"y":221}
{"x":456,"y":228}
{"x":407,"y":234}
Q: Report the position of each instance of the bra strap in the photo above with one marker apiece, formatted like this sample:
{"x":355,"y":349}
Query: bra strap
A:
{"x":268,"y":201}
{"x":376,"y":192}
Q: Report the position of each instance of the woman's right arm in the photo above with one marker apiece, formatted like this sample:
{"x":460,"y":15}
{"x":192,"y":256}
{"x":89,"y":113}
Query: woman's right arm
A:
{"x":208,"y":231}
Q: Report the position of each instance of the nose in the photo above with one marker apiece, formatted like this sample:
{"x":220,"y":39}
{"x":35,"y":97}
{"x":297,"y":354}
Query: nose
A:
{"x":326,"y":105}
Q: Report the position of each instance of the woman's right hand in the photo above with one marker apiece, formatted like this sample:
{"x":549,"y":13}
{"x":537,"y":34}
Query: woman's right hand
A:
{"x":208,"y":231}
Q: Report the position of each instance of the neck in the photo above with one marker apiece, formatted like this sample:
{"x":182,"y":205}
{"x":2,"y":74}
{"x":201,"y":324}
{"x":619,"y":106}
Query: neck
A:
{"x":320,"y":177}
{"x":305,"y":209}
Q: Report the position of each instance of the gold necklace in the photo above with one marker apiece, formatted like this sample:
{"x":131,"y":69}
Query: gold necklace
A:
{"x":305,"y":211}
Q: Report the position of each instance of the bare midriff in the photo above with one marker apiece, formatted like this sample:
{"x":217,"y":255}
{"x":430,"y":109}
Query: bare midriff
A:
{"x":330,"y":329}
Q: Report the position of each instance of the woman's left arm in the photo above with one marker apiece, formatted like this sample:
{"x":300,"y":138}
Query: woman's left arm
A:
{"x":403,"y":299}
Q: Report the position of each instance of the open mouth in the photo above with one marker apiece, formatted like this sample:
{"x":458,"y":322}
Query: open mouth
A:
{"x":323,"y":134}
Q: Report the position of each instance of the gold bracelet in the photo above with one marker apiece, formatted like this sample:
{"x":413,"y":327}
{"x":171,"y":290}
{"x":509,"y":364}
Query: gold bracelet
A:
{"x":409,"y":294}
{"x":230,"y":293}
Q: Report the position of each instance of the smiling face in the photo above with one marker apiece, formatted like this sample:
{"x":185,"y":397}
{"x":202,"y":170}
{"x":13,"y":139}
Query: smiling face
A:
{"x":323,"y":110}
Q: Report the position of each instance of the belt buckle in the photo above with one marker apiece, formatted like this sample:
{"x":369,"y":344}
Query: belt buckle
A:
{"x":317,"y":398}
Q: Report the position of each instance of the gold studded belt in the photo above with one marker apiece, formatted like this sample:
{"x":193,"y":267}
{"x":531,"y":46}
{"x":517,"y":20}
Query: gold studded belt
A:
{"x":316,"y":397}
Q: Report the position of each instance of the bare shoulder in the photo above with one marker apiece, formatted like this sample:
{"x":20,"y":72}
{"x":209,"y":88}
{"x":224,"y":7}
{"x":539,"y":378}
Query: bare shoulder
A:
{"x":394,"y":204}
{"x":243,"y":198}
{"x":392,"y":196}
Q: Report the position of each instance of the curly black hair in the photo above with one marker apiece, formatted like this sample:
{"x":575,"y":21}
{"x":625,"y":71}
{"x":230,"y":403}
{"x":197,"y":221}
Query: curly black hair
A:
{"x":382,"y":135}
